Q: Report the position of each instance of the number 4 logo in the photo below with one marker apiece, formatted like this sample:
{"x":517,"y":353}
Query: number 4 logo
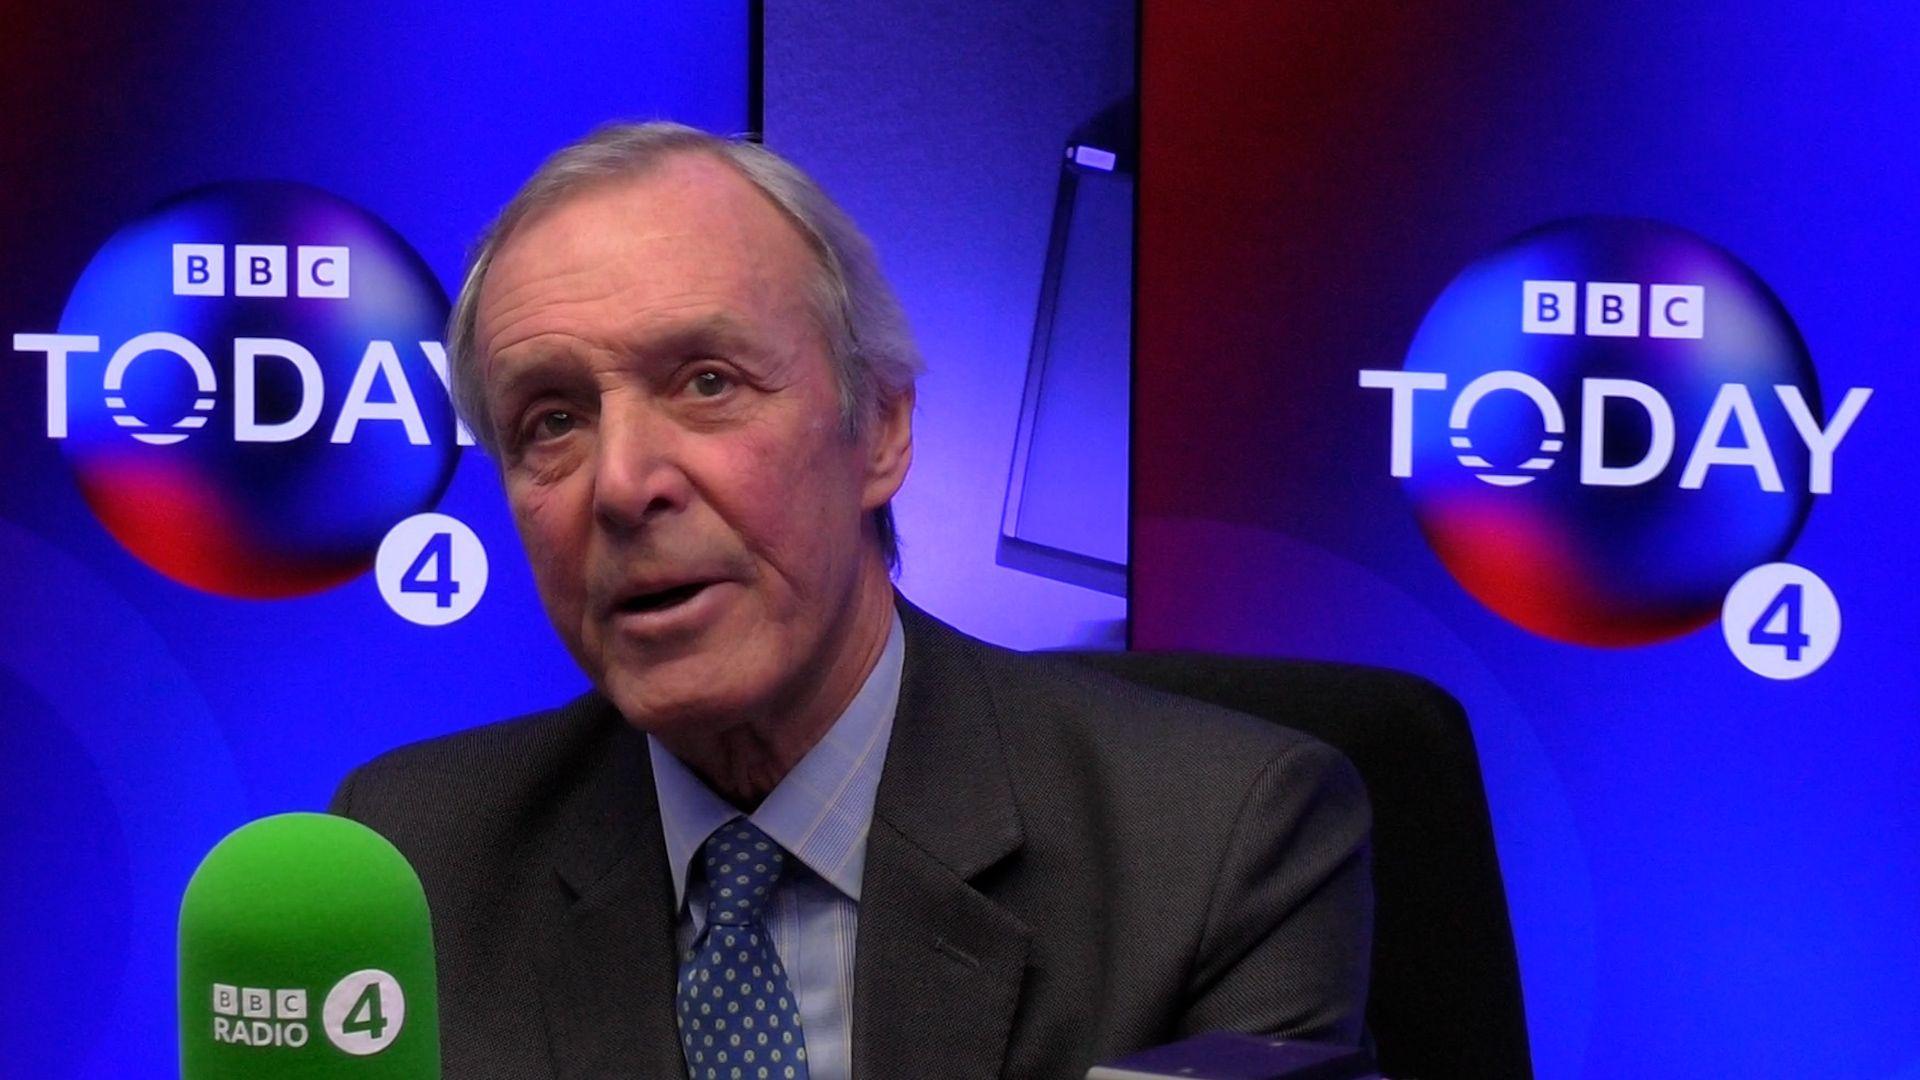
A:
{"x":1781,"y":621}
{"x":365,"y":1016}
{"x":364,"y":1012}
{"x":432,"y":569}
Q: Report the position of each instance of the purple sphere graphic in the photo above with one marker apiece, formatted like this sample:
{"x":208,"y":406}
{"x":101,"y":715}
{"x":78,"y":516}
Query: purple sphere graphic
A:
{"x":267,"y":395}
{"x":1614,"y":444}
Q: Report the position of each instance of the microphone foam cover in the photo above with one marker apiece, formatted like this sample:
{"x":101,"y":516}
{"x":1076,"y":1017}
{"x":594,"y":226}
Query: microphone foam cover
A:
{"x":306,"y":951}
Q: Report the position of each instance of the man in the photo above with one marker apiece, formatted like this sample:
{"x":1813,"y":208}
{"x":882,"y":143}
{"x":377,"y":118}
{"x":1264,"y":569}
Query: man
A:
{"x":800,"y":826}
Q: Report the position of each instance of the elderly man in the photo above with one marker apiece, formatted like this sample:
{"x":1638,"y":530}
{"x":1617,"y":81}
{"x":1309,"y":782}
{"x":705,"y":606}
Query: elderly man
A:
{"x":801,"y":828}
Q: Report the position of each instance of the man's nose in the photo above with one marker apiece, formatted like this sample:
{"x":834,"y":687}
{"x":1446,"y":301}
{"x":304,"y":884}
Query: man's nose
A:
{"x":637,"y":476}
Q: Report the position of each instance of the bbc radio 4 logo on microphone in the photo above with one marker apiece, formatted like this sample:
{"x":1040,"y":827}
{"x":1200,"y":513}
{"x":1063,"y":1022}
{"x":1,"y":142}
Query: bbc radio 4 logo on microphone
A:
{"x":249,"y":386}
{"x":259,"y":1016}
{"x":360,"y":1016}
{"x":1612,"y":433}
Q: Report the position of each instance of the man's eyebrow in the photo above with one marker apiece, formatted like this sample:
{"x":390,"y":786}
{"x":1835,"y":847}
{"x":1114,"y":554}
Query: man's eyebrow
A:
{"x":524,"y":370}
{"x":532,"y":366}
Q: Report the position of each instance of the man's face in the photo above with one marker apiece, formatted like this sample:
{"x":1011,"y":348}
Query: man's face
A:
{"x":672,"y":445}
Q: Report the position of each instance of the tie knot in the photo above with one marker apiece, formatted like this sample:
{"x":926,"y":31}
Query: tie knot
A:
{"x":742,"y":865}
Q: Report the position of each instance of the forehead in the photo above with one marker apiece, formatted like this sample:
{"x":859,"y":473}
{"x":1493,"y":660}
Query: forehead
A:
{"x":690,"y":238}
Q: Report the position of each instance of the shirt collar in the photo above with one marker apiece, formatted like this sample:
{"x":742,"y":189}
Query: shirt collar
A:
{"x":820,"y":811}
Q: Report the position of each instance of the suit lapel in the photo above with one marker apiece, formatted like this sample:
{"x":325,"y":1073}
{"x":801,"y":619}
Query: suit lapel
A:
{"x":610,"y":972}
{"x":938,"y":964}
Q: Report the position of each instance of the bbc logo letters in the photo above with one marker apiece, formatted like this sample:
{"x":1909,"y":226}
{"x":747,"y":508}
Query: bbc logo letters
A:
{"x":321,"y":271}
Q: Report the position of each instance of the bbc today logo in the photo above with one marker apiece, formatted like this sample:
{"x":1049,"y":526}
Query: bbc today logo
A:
{"x":1731,"y":434}
{"x":1611,"y":434}
{"x":258,"y":1016}
{"x":321,"y":270}
{"x":380,"y":373}
{"x":249,"y":385}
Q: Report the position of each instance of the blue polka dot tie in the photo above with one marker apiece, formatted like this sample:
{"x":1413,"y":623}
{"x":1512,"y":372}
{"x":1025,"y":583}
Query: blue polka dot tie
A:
{"x":739,"y":1019}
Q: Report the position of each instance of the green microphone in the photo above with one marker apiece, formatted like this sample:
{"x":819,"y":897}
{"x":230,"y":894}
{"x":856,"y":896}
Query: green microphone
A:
{"x":306,"y":951}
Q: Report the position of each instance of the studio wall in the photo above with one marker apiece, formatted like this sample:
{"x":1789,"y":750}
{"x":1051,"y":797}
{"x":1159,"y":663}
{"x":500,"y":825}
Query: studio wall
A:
{"x":1470,"y":340}
{"x":941,"y":131}
{"x":195,"y":635}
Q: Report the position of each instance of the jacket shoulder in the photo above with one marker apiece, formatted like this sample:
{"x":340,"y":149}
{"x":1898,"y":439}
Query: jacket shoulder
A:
{"x":1065,"y":725}
{"x":1073,"y":708}
{"x":467,"y":771}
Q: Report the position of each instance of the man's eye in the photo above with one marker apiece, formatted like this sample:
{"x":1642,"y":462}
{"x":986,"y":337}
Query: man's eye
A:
{"x":553,"y":424}
{"x":710,"y":384}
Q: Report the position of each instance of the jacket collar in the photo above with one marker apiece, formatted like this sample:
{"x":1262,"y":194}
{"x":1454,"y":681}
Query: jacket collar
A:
{"x":931,"y":946}
{"x":608,"y":968}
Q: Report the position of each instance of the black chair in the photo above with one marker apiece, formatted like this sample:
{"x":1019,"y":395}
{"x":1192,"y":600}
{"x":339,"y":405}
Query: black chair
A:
{"x":1445,"y":1001}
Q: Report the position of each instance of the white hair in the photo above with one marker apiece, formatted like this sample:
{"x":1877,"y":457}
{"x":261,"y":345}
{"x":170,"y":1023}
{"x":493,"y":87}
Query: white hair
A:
{"x":872,"y":351}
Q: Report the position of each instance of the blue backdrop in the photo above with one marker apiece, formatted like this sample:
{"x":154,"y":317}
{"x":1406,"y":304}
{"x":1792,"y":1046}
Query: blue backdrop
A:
{"x":143,"y":719}
{"x":1711,"y":872}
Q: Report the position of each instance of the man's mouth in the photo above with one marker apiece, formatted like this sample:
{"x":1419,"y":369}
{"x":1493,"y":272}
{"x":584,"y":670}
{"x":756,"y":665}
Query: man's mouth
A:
{"x":662,"y":599}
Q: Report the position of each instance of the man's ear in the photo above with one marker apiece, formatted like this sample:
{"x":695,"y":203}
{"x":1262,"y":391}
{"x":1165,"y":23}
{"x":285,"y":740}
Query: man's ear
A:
{"x":889,"y":444}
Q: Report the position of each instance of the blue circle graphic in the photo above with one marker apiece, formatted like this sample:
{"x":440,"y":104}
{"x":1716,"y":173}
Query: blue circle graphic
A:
{"x":267,"y":395}
{"x":1587,"y":363}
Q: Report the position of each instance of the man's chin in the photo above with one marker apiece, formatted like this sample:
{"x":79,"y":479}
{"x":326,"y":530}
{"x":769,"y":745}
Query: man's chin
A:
{"x":673,"y":704}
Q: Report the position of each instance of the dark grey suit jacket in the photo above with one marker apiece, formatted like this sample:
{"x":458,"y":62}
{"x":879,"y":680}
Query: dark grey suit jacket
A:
{"x":1062,"y":868}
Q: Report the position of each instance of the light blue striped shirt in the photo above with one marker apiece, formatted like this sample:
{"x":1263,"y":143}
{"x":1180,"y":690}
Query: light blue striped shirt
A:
{"x":819,"y":813}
